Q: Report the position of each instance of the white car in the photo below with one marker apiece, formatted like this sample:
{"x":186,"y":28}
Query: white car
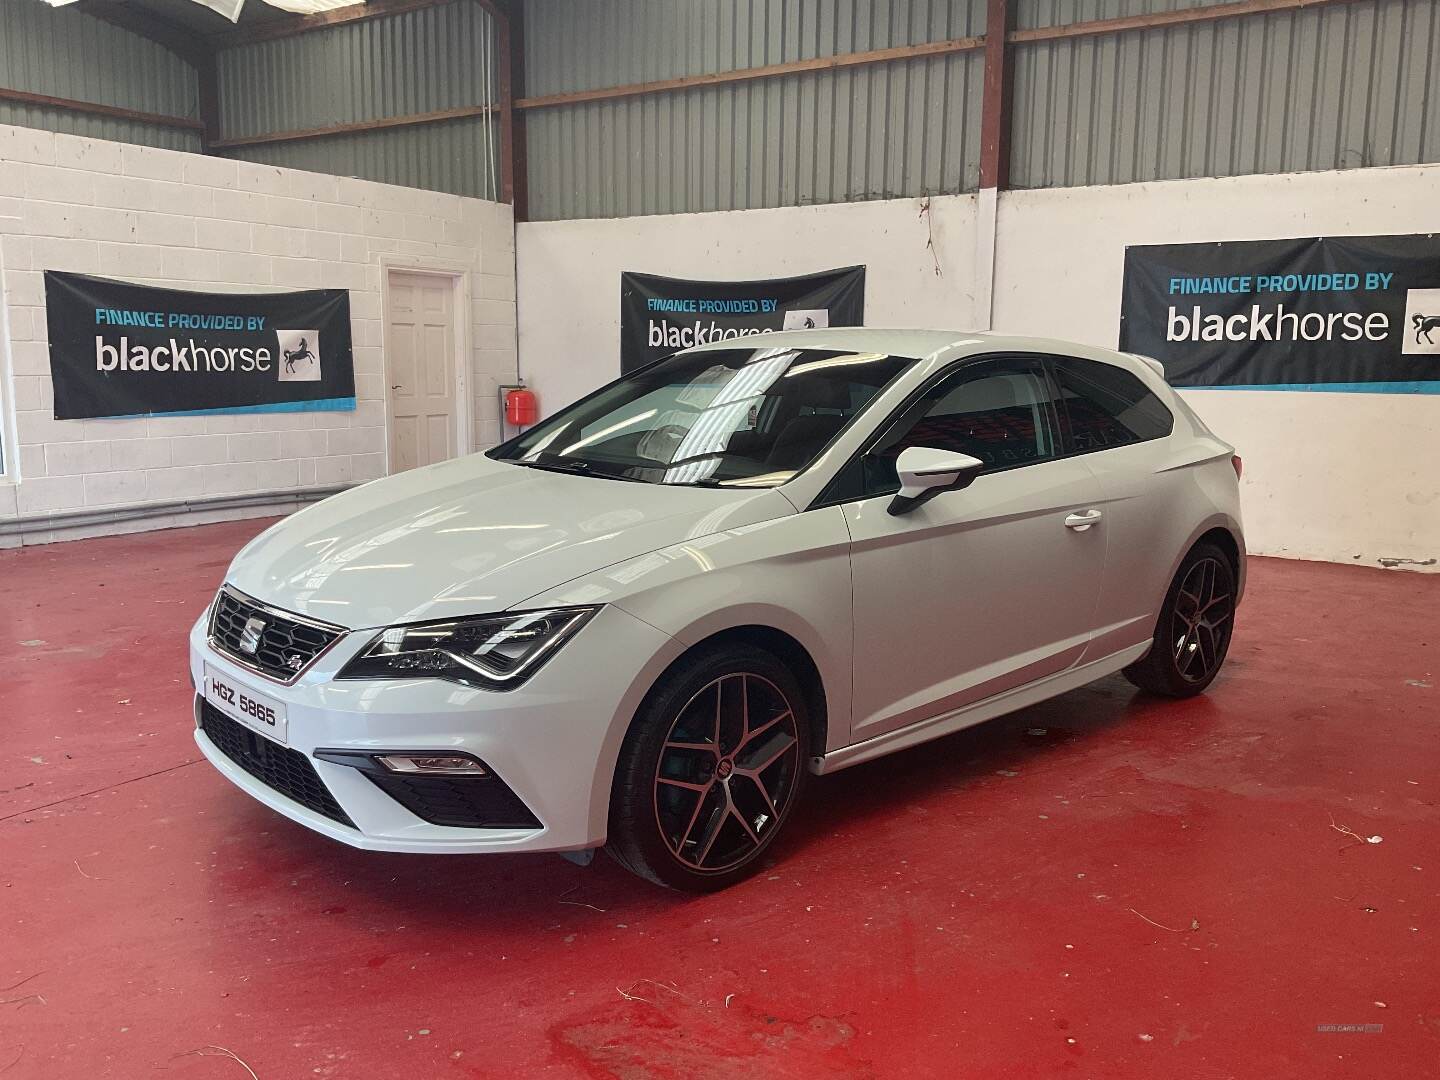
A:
{"x":642,"y":622}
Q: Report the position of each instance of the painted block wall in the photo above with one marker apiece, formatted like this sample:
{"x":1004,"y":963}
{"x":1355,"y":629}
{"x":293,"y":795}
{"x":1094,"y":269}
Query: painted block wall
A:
{"x":1337,"y":477}
{"x":569,"y":272}
{"x":180,"y":220}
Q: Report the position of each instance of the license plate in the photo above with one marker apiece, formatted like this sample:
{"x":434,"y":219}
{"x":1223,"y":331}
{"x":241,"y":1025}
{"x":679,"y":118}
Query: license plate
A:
{"x":237,"y":701}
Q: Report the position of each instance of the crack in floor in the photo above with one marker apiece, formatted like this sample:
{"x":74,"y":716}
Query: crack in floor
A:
{"x":98,"y":791}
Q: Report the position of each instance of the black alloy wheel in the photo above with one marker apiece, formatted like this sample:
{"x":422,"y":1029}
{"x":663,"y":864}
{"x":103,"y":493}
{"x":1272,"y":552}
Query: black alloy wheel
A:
{"x":1192,"y":636}
{"x":710,"y":770}
{"x":1200,"y":620}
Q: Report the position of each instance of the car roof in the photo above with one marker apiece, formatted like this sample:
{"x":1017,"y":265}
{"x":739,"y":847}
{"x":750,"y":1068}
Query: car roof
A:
{"x":919,"y":344}
{"x":916,"y":343}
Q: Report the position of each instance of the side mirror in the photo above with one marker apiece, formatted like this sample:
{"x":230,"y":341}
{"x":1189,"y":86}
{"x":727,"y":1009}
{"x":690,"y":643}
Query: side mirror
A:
{"x":925,"y":472}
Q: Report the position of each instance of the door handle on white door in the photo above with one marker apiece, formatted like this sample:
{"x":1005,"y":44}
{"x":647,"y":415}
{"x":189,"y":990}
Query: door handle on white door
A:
{"x":1083,"y":520}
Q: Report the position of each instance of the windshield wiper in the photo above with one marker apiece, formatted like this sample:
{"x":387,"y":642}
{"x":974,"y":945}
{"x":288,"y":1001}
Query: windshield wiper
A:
{"x":577,"y":468}
{"x":704,"y":481}
{"x":574,"y":467}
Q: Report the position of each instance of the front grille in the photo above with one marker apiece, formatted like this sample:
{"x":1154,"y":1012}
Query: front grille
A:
{"x":287,"y":645}
{"x":287,"y":771}
{"x":470,"y":802}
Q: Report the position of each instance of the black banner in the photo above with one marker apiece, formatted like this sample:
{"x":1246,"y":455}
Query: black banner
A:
{"x":659,"y":315}
{"x":1352,"y":313}
{"x":118,"y":349}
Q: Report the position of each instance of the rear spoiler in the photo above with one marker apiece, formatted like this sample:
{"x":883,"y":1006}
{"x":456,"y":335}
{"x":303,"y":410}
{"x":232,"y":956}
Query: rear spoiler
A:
{"x":1150,"y":362}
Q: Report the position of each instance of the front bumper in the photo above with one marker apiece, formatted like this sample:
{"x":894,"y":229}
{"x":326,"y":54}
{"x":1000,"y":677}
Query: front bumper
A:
{"x":553,"y":741}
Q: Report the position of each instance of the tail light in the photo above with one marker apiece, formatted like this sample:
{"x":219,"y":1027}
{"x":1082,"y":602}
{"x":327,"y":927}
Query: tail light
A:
{"x":1239,"y":465}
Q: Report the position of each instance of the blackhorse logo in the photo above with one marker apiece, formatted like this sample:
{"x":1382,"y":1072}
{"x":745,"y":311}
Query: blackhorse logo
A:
{"x":807,"y":318}
{"x":300,"y":352}
{"x":1424,"y":324}
{"x":1418,"y":335}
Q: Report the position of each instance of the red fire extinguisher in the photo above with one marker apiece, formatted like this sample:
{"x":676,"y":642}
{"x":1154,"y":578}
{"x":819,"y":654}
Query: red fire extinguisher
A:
{"x":521,"y":408}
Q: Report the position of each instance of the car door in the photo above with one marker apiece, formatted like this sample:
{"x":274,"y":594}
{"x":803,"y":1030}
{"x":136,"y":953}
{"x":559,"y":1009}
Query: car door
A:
{"x":976,"y":591}
{"x":1122,"y":431}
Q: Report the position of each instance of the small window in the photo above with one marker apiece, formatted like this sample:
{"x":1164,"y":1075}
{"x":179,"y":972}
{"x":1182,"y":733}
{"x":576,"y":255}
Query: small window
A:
{"x":1103,"y":406}
{"x":998,"y":411}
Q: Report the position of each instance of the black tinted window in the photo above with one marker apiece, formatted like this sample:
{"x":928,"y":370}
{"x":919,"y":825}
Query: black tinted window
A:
{"x":752,"y":417}
{"x":1103,"y":406}
{"x":998,"y":411}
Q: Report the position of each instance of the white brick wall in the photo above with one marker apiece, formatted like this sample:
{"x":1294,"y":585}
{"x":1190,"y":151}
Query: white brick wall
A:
{"x":165,"y":218}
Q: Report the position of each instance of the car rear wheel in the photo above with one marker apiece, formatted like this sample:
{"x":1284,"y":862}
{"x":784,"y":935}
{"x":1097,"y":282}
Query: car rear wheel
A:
{"x":1192,"y":636}
{"x":710,"y":770}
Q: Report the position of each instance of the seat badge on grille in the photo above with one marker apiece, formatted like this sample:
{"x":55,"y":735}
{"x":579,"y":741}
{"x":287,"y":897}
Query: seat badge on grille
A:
{"x":294,"y":661}
{"x":250,"y":636}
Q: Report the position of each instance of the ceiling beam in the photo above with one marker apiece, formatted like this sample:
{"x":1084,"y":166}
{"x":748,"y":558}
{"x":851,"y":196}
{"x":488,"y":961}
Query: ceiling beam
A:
{"x":516,"y":167}
{"x":1160,"y":19}
{"x":92,"y":108}
{"x":357,"y":127}
{"x":506,"y":77}
{"x":207,"y":85}
{"x":995,"y":97}
{"x":768,"y":71}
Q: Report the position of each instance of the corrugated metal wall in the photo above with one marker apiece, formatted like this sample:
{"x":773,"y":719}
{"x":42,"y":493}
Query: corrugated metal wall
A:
{"x":1335,"y":87}
{"x":63,"y":53}
{"x":1328,"y":88}
{"x":874,"y":132}
{"x":422,"y":61}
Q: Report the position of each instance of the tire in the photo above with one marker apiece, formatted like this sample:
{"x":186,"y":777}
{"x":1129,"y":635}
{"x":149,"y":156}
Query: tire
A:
{"x":691,"y":815}
{"x":1192,"y":635}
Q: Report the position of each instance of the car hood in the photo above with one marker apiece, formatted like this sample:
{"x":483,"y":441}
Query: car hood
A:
{"x":471,"y":536}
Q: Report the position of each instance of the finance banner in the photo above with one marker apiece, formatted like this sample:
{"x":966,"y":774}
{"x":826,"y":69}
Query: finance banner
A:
{"x":1348,"y":313}
{"x":118,"y":349}
{"x":660,"y":315}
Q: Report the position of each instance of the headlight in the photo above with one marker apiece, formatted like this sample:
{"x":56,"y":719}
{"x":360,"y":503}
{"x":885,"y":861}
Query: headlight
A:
{"x":496,"y":652}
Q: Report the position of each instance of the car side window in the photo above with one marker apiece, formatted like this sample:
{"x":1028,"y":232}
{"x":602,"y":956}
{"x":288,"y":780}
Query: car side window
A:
{"x":997,"y":410}
{"x":1102,"y":406}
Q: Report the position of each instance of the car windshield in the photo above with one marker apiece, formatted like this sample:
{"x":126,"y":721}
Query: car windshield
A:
{"x":732,"y":417}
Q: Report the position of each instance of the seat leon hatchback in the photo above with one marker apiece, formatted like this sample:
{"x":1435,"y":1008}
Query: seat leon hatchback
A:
{"x":642,"y":623}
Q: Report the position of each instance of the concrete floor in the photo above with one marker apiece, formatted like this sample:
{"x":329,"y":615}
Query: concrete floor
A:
{"x":1103,"y":886}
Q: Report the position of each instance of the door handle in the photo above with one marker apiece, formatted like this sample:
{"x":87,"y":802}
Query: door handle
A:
{"x":1083,"y":520}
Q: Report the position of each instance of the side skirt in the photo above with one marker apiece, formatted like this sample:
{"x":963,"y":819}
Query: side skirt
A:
{"x":978,"y":712}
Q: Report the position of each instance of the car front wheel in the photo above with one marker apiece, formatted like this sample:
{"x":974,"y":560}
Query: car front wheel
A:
{"x":710,"y":770}
{"x":1192,"y":636}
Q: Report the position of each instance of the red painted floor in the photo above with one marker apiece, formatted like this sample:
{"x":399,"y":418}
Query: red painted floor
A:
{"x":1103,"y":886}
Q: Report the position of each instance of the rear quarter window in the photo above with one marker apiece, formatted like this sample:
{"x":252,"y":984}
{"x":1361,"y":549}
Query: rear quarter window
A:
{"x":1103,"y":406}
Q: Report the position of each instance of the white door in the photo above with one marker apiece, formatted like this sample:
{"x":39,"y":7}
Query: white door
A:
{"x":980,"y":590}
{"x":421,"y":370}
